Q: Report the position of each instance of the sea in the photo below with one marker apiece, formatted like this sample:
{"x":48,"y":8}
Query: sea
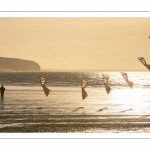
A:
{"x":122,"y":107}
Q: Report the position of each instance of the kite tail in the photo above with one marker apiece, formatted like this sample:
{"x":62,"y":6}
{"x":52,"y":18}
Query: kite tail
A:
{"x":108,"y":89}
{"x":130,"y":84}
{"x":84,"y":94}
{"x":148,"y":66}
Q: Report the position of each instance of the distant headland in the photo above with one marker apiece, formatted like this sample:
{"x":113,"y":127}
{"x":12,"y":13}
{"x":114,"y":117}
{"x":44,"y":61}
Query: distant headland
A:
{"x":15,"y":64}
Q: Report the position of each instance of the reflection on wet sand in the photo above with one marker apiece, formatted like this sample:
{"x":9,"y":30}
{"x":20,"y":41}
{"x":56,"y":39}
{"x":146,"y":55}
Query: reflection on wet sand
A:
{"x":2,"y":103}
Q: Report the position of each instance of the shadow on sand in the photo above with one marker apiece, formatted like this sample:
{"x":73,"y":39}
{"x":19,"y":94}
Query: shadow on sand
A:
{"x":78,"y":108}
{"x":102,"y":109}
{"x":2,"y":103}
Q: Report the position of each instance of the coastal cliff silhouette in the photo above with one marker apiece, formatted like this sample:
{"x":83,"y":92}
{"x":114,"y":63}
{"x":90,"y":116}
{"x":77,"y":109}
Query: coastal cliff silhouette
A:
{"x":15,"y":64}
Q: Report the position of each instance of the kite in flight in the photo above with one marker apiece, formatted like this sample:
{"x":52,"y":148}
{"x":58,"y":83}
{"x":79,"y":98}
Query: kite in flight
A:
{"x":105,"y":80}
{"x":83,"y":85}
{"x":142,"y":60}
{"x":130,"y":84}
{"x":45,"y":89}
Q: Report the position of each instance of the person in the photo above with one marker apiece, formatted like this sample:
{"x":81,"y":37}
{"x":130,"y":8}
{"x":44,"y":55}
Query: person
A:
{"x":2,"y":89}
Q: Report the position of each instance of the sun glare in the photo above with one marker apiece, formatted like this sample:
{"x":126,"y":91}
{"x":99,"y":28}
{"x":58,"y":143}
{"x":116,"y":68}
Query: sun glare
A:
{"x":128,"y":95}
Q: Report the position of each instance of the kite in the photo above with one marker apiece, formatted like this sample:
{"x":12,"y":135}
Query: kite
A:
{"x":105,"y":80}
{"x":83,"y":85}
{"x":45,"y":89}
{"x":142,"y":60}
{"x":130,"y":84}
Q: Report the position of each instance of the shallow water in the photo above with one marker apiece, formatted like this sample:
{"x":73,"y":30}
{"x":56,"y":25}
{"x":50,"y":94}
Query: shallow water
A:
{"x":67,"y":100}
{"x":123,"y":110}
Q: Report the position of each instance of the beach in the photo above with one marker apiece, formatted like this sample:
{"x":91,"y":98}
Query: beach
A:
{"x":26,"y":123}
{"x":26,"y":110}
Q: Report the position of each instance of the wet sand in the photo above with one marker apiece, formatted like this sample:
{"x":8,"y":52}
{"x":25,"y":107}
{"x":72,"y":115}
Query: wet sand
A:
{"x":27,"y":110}
{"x":74,"y":123}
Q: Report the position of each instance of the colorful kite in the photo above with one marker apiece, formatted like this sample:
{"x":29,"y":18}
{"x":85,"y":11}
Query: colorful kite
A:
{"x":83,"y":85}
{"x":45,"y":89}
{"x":126,"y":78}
{"x":142,"y":60}
{"x":105,"y":80}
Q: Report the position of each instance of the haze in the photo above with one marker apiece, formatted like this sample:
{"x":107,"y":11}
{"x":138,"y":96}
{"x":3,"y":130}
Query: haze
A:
{"x":77,"y":43}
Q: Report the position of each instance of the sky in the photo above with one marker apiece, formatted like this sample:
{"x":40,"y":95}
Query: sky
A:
{"x":77,"y":43}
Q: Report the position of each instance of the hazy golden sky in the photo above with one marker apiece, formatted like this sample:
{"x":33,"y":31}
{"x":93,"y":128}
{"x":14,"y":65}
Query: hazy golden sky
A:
{"x":77,"y":43}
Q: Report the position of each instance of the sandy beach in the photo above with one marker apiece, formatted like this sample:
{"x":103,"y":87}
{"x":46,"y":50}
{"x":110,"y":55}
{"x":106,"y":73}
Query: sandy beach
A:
{"x":63,"y":111}
{"x":74,"y":123}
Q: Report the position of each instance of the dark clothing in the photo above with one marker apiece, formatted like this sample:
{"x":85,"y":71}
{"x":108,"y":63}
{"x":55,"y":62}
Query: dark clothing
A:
{"x":2,"y":89}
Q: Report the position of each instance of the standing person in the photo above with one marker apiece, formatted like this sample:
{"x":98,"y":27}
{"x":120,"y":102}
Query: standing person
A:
{"x":2,"y":89}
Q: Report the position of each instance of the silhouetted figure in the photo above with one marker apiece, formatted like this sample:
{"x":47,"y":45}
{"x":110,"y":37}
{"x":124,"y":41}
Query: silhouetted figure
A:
{"x":2,"y":89}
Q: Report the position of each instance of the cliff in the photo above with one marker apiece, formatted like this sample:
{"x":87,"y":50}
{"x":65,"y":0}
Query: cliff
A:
{"x":15,"y":64}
